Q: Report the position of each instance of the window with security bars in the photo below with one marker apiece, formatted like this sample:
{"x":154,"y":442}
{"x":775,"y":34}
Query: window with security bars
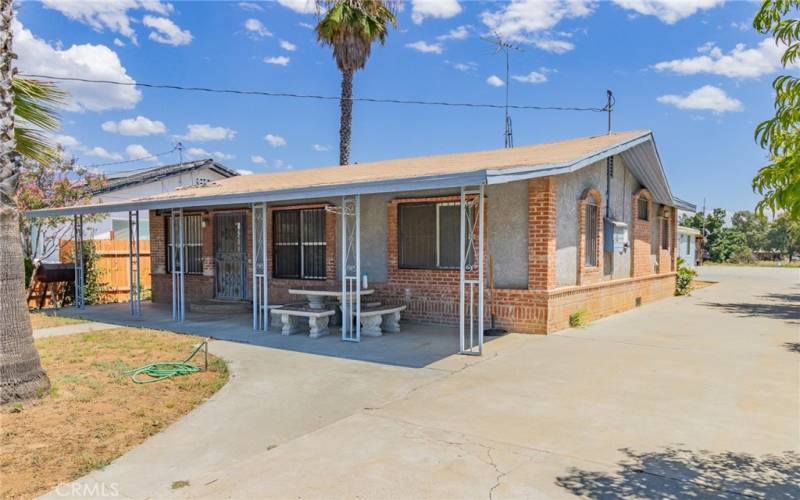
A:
{"x":665,"y":233}
{"x":591,"y":235}
{"x":429,"y":235}
{"x":298,"y":244}
{"x":192,"y":244}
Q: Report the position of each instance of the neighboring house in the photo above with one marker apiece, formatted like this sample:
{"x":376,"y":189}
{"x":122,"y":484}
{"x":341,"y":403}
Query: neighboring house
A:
{"x":583,"y":224}
{"x":131,"y":184}
{"x":690,"y":245}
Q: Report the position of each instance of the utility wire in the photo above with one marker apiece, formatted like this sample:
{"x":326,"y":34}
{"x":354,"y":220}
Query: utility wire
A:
{"x":313,"y":96}
{"x":120,"y":162}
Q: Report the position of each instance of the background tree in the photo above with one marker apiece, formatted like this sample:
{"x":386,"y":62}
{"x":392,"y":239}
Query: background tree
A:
{"x":754,"y":227}
{"x":350,"y":27}
{"x":784,"y":235}
{"x":21,"y":374}
{"x":779,"y":182}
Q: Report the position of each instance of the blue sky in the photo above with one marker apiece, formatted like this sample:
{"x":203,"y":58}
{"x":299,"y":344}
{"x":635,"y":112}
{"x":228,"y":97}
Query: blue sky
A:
{"x":694,"y":72}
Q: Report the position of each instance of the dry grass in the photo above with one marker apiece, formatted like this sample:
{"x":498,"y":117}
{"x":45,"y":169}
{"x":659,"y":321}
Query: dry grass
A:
{"x":43,"y":320}
{"x":94,"y":413}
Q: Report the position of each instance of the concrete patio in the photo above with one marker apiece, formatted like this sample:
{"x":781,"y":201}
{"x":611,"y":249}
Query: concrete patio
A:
{"x":415,"y":346}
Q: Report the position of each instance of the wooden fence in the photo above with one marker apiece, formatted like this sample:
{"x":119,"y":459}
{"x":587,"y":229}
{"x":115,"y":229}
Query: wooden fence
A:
{"x":113,"y":266}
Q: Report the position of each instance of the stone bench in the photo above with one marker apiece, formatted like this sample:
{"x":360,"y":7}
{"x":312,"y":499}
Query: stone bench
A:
{"x":291,"y":318}
{"x":378,"y":319}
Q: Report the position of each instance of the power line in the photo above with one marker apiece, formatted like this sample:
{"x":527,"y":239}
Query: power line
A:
{"x":120,"y":162}
{"x":313,"y":96}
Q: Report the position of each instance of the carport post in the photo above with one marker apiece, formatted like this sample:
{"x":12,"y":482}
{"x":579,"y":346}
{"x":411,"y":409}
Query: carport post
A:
{"x":77,"y":223}
{"x":351,"y":283}
{"x":134,"y":281}
{"x":260,"y":275}
{"x":177,"y":261}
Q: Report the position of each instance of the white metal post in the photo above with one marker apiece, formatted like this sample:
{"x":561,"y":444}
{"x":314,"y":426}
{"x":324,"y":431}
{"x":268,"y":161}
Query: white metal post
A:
{"x":182,"y":291}
{"x":260,"y":281}
{"x":358,"y":267}
{"x":480,"y":269}
{"x":343,"y":259}
{"x":265,"y":253}
{"x":134,"y":281}
{"x":172,"y":261}
{"x":462,"y":263}
{"x":77,"y":223}
{"x":254,"y":294}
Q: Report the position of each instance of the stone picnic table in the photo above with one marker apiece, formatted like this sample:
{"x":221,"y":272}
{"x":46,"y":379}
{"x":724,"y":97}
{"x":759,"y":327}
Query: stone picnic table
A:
{"x":316,"y":294}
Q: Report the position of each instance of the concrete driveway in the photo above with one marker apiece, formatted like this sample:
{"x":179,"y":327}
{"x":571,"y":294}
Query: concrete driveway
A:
{"x":691,"y":395}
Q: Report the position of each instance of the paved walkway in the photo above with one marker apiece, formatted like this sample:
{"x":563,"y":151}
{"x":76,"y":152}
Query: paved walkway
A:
{"x":88,"y":326}
{"x":688,"y":396}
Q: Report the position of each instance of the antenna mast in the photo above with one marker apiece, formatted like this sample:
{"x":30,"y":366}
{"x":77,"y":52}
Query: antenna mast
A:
{"x":503,"y":46}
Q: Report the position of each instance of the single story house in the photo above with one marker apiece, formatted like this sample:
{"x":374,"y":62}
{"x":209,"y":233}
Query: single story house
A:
{"x":528,"y":235}
{"x":690,"y":246}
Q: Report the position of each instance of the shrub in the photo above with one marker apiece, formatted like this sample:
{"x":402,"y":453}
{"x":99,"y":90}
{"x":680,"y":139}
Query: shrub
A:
{"x":578,"y":319}
{"x":742,"y":256}
{"x":684,"y":283}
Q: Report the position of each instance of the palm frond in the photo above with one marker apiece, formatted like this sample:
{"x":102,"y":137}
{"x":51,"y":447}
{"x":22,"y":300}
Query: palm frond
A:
{"x":34,"y":109}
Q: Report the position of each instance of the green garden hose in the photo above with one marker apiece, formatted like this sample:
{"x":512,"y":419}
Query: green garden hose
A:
{"x":169,"y":369}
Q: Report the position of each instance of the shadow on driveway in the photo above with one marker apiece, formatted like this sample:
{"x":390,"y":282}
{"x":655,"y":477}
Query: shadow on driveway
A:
{"x":677,"y":473}
{"x":782,"y":306}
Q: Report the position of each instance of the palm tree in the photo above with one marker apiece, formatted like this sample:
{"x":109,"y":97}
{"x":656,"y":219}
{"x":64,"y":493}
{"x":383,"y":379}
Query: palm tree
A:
{"x":350,"y":27}
{"x":21,"y":374}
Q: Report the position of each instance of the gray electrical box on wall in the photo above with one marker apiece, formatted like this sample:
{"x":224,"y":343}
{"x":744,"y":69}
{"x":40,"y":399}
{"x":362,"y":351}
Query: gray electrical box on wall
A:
{"x":615,"y":236}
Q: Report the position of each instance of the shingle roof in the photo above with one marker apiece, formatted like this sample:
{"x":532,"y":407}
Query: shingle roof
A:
{"x":120,"y":180}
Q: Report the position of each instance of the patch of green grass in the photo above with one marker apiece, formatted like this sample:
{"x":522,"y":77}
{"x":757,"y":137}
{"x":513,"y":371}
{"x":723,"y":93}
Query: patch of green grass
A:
{"x":90,"y":463}
{"x":179,"y":484}
{"x":579,"y":319}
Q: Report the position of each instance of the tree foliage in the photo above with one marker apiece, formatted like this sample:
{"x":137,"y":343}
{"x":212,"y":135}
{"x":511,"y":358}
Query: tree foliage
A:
{"x":779,"y":181}
{"x":34,"y":107}
{"x":56,"y":183}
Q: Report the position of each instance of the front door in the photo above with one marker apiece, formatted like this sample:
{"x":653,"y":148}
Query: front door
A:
{"x":229,"y":255}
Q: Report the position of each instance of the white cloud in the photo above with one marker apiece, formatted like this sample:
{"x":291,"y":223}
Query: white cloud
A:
{"x":243,"y":171}
{"x":258,"y":160}
{"x":425,"y":47}
{"x":139,"y":152}
{"x":135,"y":126}
{"x":668,"y":11}
{"x":706,"y":98}
{"x":532,"y":77}
{"x":553,"y":45}
{"x":256,"y":29}
{"x":743,"y":26}
{"x":442,"y":9}
{"x":740,"y":62}
{"x":202,"y":153}
{"x":166,"y":32}
{"x":251,"y":6}
{"x":464,"y":67}
{"x":306,"y":25}
{"x":523,"y":17}
{"x":98,"y":62}
{"x":300,"y":6}
{"x":286,"y":45}
{"x":460,"y":33}
{"x":66,"y":141}
{"x":118,"y":42}
{"x":275,"y":141}
{"x":205,"y":132}
{"x":495,"y":81}
{"x":278,"y":60}
{"x":99,"y":152}
{"x":320,"y":147}
{"x":110,"y":15}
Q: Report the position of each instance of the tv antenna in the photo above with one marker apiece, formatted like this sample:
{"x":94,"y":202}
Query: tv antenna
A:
{"x":506,"y":48}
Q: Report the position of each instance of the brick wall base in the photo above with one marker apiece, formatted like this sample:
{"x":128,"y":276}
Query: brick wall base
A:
{"x":198,"y":287}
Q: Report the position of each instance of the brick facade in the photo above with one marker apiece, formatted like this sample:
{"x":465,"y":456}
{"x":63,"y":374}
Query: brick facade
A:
{"x":432,"y":295}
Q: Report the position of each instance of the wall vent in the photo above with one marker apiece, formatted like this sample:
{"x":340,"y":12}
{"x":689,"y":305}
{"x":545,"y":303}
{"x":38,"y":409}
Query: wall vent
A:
{"x":638,"y":301}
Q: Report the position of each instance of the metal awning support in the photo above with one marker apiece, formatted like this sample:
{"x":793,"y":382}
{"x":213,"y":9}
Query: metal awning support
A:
{"x":260,"y":275}
{"x":77,"y":223}
{"x":176,"y":228}
{"x":351,"y":269}
{"x":471,"y":286}
{"x":134,"y":276}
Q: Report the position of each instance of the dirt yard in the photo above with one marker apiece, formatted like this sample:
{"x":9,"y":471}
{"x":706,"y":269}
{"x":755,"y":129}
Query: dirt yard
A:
{"x":94,"y":412}
{"x":41,"y":320}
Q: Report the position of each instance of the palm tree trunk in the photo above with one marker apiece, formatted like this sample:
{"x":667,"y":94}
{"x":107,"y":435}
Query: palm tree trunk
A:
{"x":346,"y":117}
{"x":21,"y":374}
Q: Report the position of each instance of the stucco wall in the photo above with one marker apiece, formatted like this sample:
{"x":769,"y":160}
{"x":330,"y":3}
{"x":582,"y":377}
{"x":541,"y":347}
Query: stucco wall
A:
{"x":507,"y":212}
{"x":569,"y":188}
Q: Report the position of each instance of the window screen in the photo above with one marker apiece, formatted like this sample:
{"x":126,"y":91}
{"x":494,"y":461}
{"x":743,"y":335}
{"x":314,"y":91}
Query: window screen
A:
{"x":665,"y":234}
{"x":298,"y":243}
{"x":644,"y":209}
{"x":591,"y":236}
{"x":429,"y":234}
{"x":688,"y":244}
{"x":192,"y":243}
